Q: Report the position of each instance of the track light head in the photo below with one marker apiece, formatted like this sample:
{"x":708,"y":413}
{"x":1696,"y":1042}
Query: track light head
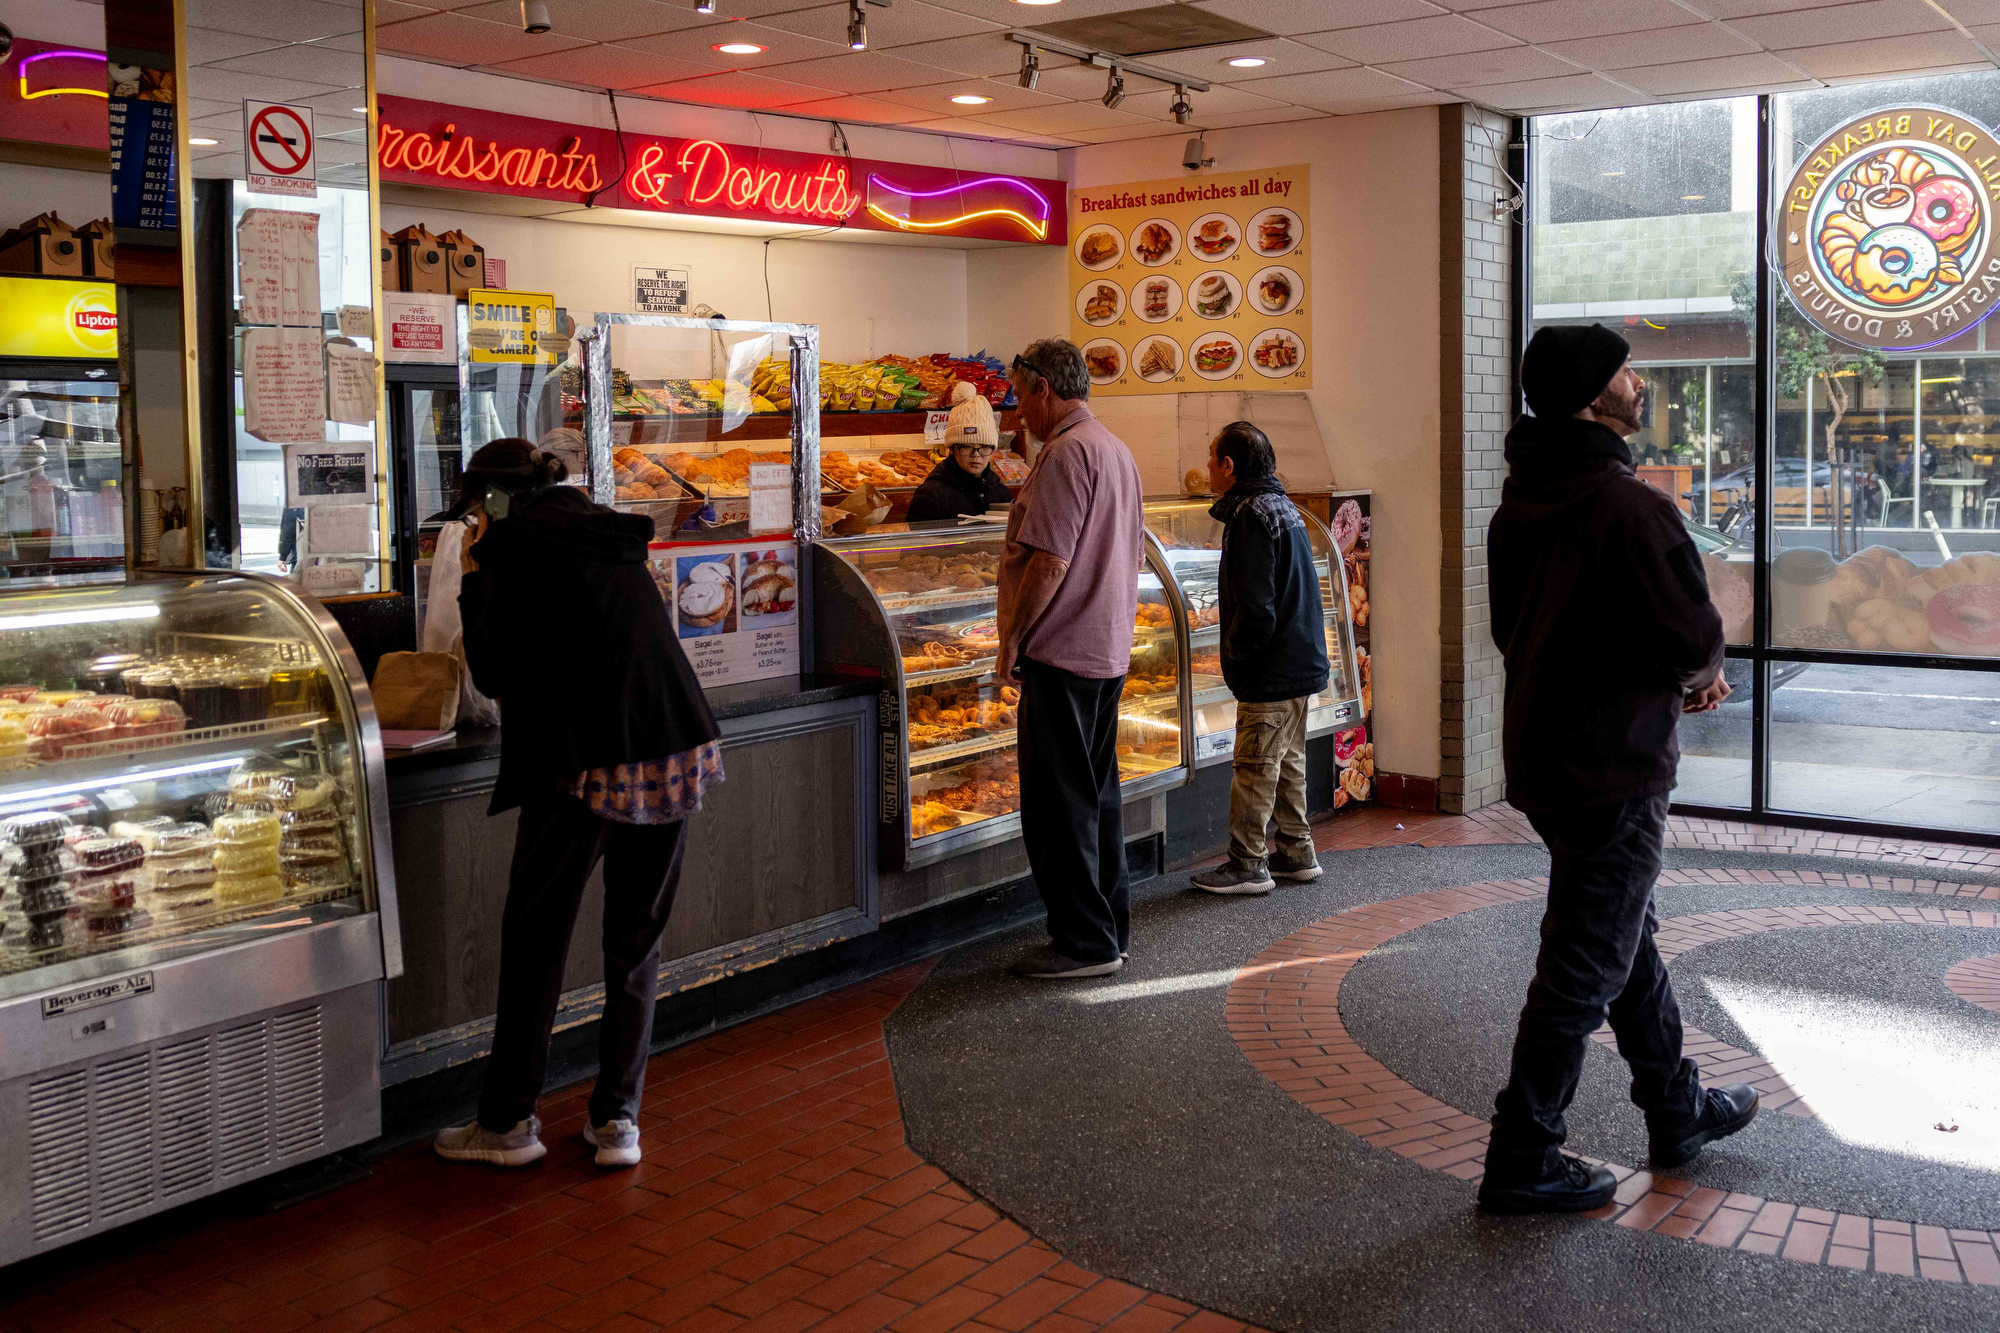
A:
{"x":1031,"y":68}
{"x":857,"y":27}
{"x":1182,"y":108}
{"x":704,"y":6}
{"x":1114,"y":89}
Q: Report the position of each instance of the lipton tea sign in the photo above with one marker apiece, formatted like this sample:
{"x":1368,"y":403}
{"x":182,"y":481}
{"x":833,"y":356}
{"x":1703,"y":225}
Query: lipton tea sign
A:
{"x":1886,"y":233}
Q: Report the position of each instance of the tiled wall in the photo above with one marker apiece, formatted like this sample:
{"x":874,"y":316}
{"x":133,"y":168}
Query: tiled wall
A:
{"x":1477,"y":326}
{"x":1638,"y":259}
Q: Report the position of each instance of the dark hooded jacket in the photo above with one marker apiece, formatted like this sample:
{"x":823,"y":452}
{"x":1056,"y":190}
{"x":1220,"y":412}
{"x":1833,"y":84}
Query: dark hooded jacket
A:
{"x":1273,"y":621}
{"x":566,"y":628}
{"x":950,"y":491}
{"x":1601,"y":610}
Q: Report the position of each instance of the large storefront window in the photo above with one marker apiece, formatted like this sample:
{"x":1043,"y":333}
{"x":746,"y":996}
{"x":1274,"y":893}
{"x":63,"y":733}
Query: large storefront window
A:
{"x":1879,"y":383}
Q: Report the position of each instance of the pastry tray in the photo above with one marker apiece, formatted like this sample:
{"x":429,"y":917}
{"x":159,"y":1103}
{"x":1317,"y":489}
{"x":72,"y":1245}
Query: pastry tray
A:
{"x":933,"y":755}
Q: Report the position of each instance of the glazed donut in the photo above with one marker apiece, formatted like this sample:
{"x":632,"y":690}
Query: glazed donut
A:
{"x":1946,"y":209}
{"x":1840,"y":241}
{"x":1965,"y":619}
{"x":1896,"y":265}
{"x":1879,"y":621}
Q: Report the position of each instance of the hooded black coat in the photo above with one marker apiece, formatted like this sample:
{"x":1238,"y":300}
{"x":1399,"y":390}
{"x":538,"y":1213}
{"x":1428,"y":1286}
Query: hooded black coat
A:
{"x":1601,"y":610}
{"x":1273,"y":620}
{"x":565,"y":627}
{"x":950,"y":491}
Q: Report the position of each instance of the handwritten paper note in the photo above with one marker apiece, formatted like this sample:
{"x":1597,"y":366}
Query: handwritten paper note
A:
{"x":284,"y":385}
{"x":350,"y":384}
{"x":340,"y":529}
{"x":278,"y":267}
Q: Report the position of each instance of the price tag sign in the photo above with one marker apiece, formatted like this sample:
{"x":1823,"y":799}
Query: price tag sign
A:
{"x":770,"y":498}
{"x":935,"y":425}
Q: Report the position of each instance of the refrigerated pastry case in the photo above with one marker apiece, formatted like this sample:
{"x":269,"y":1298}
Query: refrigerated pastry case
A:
{"x":918,"y":609}
{"x":197,"y":906}
{"x":1188,"y":544}
{"x":61,"y":464}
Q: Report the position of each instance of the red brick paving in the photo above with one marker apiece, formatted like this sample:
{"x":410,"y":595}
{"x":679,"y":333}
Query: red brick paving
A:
{"x":777,"y":1196}
{"x":1283,"y":1009}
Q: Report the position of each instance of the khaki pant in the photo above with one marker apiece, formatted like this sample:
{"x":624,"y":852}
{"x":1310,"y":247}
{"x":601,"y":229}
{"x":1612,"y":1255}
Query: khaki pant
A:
{"x":1270,"y":782}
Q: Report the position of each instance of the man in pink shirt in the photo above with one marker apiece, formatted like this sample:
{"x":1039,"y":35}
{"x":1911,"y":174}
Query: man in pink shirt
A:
{"x":1069,"y":591}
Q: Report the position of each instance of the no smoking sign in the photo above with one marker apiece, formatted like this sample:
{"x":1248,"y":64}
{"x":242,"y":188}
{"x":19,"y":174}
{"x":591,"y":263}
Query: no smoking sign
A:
{"x":278,"y":148}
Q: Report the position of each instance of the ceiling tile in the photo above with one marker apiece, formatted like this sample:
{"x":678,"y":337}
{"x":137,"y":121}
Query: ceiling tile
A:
{"x":1369,"y":105}
{"x":1699,"y":41}
{"x":1327,"y":89}
{"x":230,"y":86}
{"x":1556,"y":20}
{"x":698,"y":45}
{"x":1972,"y":12}
{"x":1561,"y":94}
{"x":394,"y":11}
{"x":291,"y":21}
{"x":592,"y":20}
{"x":1749,"y":90}
{"x":934,"y":99}
{"x":902,"y":24}
{"x":1510,"y":65}
{"x":1842,"y":23}
{"x":204,"y":45}
{"x":1215,"y":102}
{"x":737,"y":88}
{"x":1286,"y":17}
{"x":861,"y":72}
{"x":1929,"y":71}
{"x":1693,"y":76}
{"x":1417,"y":39}
{"x":972,"y":130}
{"x":990,"y":54}
{"x":1152,"y":129}
{"x":1283,"y":57}
{"x":454,"y":39}
{"x":605,"y":66}
{"x":1731,"y":10}
{"x":1889,"y":55}
{"x":309,"y":63}
{"x":856,"y":110}
{"x":1277,"y":115}
{"x":1061,"y":119}
{"x":1011,"y":15}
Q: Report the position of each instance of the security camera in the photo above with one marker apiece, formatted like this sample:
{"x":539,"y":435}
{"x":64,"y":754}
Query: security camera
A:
{"x":1194,"y":156}
{"x":535,"y":17}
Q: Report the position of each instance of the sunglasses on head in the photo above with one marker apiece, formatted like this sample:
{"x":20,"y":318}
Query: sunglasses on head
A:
{"x":1022,"y":363}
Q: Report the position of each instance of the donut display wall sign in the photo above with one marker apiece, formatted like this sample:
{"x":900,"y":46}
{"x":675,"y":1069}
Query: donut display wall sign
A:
{"x":1885,"y":232}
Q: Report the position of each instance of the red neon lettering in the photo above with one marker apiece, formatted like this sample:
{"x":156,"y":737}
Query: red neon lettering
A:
{"x":467,"y":159}
{"x":648,"y":180}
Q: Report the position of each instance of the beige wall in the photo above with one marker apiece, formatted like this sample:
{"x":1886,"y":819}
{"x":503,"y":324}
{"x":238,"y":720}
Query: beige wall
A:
{"x":1375,"y":337}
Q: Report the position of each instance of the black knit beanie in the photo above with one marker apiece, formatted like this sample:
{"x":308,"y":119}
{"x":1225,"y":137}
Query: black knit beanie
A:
{"x":1567,"y":365}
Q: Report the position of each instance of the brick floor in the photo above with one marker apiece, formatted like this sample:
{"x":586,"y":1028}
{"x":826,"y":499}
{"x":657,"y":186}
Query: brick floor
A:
{"x":777,"y":1196}
{"x":1283,"y":1010}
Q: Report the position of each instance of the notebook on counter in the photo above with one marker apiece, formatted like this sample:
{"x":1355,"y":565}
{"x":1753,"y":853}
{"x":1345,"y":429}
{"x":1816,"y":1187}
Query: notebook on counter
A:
{"x":415,"y":740}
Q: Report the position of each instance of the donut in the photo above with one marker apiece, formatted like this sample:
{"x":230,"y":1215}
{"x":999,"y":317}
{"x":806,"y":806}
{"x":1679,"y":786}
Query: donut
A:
{"x":1946,"y":210}
{"x":1896,"y":265}
{"x":1965,"y":619}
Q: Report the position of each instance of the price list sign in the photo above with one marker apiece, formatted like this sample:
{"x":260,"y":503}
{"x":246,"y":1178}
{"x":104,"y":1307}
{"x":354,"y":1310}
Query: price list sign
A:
{"x":143,"y":193}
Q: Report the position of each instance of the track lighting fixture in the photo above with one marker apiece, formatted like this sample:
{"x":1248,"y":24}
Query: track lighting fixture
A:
{"x":1031,"y":68}
{"x":1182,"y":108}
{"x":704,"y":6}
{"x":857,"y":27}
{"x":1114,"y":89}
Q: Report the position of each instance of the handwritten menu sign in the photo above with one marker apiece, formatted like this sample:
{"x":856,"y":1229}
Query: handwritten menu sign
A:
{"x":277,"y":262}
{"x":1194,"y":285}
{"x":284,"y":385}
{"x":735,"y":607}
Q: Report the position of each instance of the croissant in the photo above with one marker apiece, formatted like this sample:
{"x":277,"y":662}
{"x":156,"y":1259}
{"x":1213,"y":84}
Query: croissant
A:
{"x":1880,"y":621}
{"x":1840,"y":241}
{"x":1874,"y":571}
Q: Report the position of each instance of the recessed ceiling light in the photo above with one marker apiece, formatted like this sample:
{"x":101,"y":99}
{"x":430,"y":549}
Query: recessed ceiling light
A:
{"x":204,"y":143}
{"x":1248,"y":62}
{"x":1612,"y":173}
{"x":1694,"y":196}
{"x":971,"y":99}
{"x":1036,"y":2}
{"x":361,"y":111}
{"x":738,"y":48}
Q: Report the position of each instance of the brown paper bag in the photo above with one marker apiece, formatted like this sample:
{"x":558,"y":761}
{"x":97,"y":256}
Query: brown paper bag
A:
{"x":864,"y":507}
{"x":416,"y":691}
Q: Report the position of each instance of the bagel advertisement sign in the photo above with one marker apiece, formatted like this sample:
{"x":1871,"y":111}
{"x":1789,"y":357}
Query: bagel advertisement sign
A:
{"x":1885,"y":233}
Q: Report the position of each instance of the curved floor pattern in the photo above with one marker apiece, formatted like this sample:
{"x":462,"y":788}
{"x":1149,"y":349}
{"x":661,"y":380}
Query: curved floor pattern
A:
{"x":1284,"y":1012}
{"x":1977,"y":982}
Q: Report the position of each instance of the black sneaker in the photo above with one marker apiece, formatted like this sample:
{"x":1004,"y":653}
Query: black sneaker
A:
{"x":1231,"y":878}
{"x":1571,"y":1186}
{"x":1048,"y":965}
{"x":1724,"y":1110}
{"x":1294,"y":872}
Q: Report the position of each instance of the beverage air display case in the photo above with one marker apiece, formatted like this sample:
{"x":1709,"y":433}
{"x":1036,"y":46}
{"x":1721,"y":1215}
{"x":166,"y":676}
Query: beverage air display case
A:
{"x":1189,"y":548}
{"x":197,"y":908}
{"x":918,"y":609}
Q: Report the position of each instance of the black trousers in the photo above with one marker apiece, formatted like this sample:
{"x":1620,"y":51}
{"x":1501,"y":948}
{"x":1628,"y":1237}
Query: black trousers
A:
{"x":559,"y":843}
{"x":1071,"y":816}
{"x":1597,"y":957}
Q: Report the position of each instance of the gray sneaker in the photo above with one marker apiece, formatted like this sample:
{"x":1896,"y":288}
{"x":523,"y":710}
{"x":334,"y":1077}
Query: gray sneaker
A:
{"x":616,"y":1141}
{"x":1231,"y":878}
{"x":1048,"y":965}
{"x":1295,"y":872}
{"x":475,"y":1143}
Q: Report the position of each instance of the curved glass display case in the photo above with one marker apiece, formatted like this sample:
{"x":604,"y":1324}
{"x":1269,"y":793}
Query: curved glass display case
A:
{"x":1189,"y":547}
{"x":197,"y":904}
{"x":919,"y":608}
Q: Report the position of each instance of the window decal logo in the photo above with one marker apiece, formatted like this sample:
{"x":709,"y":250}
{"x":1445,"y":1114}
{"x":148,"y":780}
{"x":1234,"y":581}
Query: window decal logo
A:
{"x":1885,"y":234}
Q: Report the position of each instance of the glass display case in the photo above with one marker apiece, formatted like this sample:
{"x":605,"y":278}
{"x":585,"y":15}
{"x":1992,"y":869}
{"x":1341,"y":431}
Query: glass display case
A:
{"x":60,"y":465}
{"x":193,"y":831}
{"x":1189,"y":548}
{"x":919,"y":609}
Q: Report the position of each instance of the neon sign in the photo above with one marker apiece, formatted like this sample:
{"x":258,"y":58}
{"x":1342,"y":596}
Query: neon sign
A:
{"x":26,"y":61}
{"x":892,"y":194}
{"x":713,"y":179}
{"x":460,"y":157}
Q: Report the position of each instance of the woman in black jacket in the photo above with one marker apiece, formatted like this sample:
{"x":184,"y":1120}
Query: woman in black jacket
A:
{"x":606,"y":745}
{"x":962,"y":484}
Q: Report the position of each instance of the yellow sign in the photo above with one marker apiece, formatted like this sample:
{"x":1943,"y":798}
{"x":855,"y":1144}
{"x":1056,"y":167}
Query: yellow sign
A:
{"x":59,"y":317}
{"x":1193,"y":286}
{"x":517,"y":327}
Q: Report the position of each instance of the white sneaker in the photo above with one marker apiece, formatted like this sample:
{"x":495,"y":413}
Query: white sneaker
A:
{"x":475,"y":1143}
{"x":617,"y":1142}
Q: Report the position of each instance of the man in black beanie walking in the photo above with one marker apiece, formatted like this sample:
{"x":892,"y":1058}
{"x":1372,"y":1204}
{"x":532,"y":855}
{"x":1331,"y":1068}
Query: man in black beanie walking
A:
{"x":1600,"y":608}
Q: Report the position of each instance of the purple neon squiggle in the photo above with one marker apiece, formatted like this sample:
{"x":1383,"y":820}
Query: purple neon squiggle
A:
{"x":891,"y":186}
{"x":51,"y":55}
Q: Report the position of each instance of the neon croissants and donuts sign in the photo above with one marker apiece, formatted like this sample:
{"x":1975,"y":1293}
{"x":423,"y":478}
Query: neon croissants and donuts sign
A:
{"x":1885,"y":232}
{"x":425,"y":143}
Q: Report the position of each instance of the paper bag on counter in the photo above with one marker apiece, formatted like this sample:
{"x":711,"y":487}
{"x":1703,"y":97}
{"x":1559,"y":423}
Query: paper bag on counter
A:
{"x":865,"y":507}
{"x":416,"y":691}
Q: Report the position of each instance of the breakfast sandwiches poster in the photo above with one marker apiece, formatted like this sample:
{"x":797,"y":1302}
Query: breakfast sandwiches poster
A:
{"x":735,"y":607}
{"x":1193,"y":285}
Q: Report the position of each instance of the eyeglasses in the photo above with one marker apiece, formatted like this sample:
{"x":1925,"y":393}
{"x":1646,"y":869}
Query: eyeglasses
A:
{"x":976,"y":450}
